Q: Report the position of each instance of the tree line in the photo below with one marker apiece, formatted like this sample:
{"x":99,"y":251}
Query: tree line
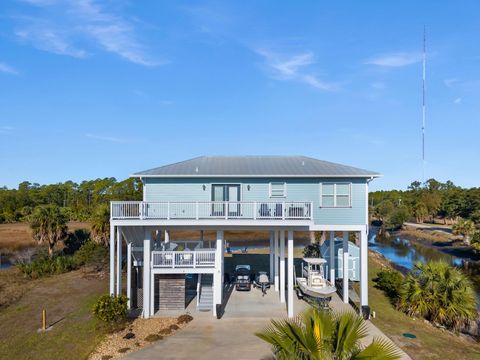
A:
{"x":78,"y":201}
{"x":425,"y":202}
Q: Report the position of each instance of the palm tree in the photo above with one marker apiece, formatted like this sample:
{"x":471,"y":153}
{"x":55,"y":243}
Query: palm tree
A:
{"x":101,"y":224}
{"x":466,"y":228}
{"x":318,"y":335}
{"x":440,"y":293}
{"x":48,"y":224}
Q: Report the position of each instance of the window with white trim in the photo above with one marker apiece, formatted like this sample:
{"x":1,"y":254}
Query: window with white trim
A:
{"x":335,"y":194}
{"x":278,"y":189}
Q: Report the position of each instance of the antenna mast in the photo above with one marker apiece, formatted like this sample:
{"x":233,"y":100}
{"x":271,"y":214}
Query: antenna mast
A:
{"x":423,"y":103}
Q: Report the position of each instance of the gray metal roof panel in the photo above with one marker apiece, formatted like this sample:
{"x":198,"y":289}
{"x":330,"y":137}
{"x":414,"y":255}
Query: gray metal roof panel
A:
{"x":254,"y":166}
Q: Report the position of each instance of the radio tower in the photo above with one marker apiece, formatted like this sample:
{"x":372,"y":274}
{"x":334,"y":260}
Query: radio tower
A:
{"x":423,"y":104}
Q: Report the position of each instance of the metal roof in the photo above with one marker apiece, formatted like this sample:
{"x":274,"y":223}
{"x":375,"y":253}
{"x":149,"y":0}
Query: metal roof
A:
{"x":255,"y":166}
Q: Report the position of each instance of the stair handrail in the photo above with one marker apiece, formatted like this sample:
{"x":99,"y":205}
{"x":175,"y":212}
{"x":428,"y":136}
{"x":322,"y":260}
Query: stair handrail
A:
{"x":199,"y":288}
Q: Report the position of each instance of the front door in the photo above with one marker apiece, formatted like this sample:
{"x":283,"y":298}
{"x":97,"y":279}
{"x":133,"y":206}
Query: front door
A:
{"x":222,"y":195}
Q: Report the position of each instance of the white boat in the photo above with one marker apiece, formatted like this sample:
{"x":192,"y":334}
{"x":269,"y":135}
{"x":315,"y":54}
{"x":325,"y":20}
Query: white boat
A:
{"x":313,"y":282}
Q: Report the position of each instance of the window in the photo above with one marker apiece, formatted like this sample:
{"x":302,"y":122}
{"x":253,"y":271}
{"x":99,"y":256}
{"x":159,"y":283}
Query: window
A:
{"x":335,"y":194}
{"x":278,"y":189}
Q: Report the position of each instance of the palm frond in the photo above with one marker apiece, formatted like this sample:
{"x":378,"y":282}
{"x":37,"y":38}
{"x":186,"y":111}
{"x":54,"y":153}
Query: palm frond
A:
{"x":379,"y":349}
{"x":350,"y":330}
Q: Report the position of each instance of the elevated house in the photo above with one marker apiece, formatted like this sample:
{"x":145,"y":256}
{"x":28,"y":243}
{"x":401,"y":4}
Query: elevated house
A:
{"x":281,"y":194}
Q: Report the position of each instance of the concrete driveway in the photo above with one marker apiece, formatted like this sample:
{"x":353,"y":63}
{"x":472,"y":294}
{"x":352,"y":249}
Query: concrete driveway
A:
{"x":232,"y":337}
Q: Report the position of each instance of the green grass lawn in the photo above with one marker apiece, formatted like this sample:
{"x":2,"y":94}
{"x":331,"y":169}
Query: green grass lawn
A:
{"x":431,"y":342}
{"x":68,"y":299}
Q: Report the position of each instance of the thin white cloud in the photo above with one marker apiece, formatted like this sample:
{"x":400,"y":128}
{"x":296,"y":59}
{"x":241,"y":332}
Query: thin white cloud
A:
{"x":399,"y":59}
{"x":106,"y":138}
{"x":166,"y":102}
{"x":139,"y":93}
{"x":50,"y":39}
{"x":294,"y":67}
{"x":457,"y":101}
{"x":7,"y":69}
{"x":450,"y":82}
{"x":67,"y":27}
{"x":6,"y":129}
{"x":377,"y":85}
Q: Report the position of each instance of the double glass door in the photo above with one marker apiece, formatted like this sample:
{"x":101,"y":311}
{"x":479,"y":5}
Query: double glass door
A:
{"x":228,"y":197}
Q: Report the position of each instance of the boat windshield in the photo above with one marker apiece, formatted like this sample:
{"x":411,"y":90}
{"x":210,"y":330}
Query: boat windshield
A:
{"x":315,"y":269}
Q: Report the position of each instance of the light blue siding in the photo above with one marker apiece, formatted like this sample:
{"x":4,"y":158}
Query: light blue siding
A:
{"x":298,"y":189}
{"x":353,"y":259}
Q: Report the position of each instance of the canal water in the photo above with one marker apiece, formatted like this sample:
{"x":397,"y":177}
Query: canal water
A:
{"x":405,"y":253}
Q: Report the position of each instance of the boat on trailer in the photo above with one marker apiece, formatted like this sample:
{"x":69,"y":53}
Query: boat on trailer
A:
{"x":313,"y":282}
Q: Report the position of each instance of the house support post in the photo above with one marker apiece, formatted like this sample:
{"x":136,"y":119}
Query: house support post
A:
{"x":332,"y":257}
{"x":276,"y":258}
{"x":119,"y":261}
{"x":290,"y":274}
{"x":282,"y":266}
{"x":218,"y":275}
{"x":271,"y":257}
{"x":345,"y":267}
{"x":364,"y":271}
{"x":129,"y":275}
{"x":112,"y":260}
{"x":152,"y":289}
{"x":146,"y":273}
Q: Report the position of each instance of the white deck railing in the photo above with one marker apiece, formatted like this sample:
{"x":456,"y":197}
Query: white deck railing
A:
{"x":200,"y":210}
{"x":183,"y":259}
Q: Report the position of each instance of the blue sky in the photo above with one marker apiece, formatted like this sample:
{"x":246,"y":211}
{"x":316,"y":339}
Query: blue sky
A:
{"x":105,"y":88}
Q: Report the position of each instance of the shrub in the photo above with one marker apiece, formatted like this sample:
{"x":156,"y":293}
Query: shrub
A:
{"x":153,"y":337}
{"x":110,"y":309}
{"x":312,"y":251}
{"x":440,"y":293}
{"x":165,"y":332}
{"x":390,"y":282}
{"x":398,"y":216}
{"x":90,"y":253}
{"x":476,"y":241}
{"x":75,"y":240}
{"x":45,"y":266}
{"x":184,"y":319}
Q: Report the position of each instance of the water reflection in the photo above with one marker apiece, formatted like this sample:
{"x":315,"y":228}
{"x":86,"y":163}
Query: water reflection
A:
{"x":405,"y":253}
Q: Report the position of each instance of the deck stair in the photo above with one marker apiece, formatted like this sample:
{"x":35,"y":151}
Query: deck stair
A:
{"x":206,"y":293}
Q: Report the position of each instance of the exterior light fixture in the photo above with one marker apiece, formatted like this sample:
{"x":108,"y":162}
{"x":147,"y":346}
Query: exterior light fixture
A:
{"x":204,"y":187}
{"x":248,"y":187}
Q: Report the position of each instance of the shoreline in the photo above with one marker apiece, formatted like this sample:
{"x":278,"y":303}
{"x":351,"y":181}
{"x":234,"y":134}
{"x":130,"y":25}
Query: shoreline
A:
{"x":447,"y":247}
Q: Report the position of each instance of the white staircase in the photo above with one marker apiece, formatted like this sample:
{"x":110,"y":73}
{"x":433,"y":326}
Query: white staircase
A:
{"x":205,"y":302}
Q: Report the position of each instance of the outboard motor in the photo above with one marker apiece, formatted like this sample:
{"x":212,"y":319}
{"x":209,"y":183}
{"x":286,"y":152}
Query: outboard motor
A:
{"x":263,"y":282}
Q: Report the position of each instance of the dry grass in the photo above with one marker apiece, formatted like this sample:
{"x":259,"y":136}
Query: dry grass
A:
{"x":430,"y":235}
{"x":18,"y":236}
{"x":13,"y":285}
{"x":68,"y":299}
